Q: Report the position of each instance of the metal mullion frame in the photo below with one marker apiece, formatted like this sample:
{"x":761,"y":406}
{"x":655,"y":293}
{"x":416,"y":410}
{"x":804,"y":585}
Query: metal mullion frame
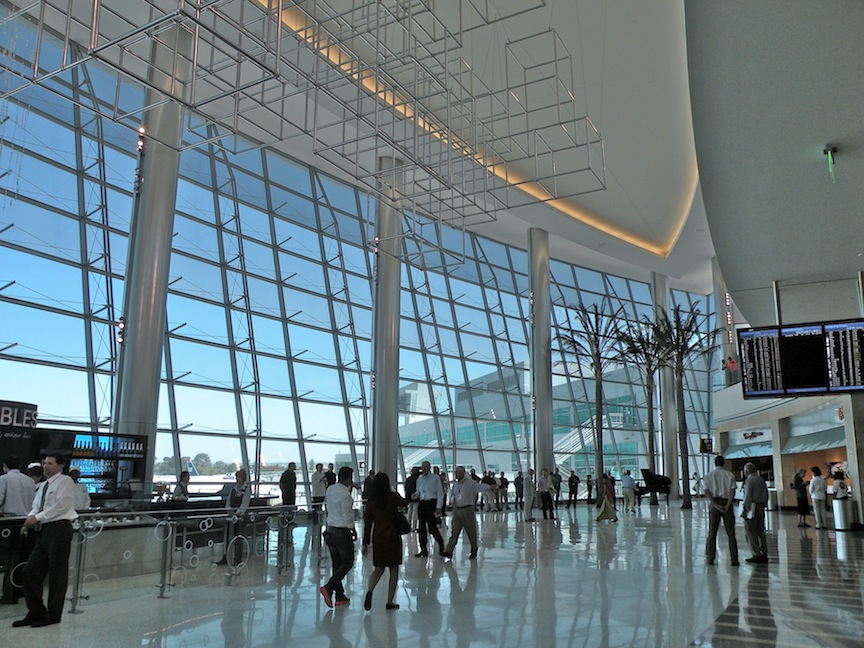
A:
{"x":570,"y":388}
{"x":690,"y":394}
{"x":466,"y":381}
{"x":478,"y":253}
{"x":103,"y":225}
{"x":223,"y":267}
{"x":630,"y":386}
{"x":247,"y":309}
{"x":86,"y":306}
{"x":413,"y":291}
{"x":289,"y":361}
{"x":527,"y":414}
{"x":363,"y":396}
{"x":570,"y":381}
{"x":316,"y":206}
{"x":609,"y":291}
{"x":696,"y":395}
{"x":170,"y":383}
{"x":589,"y":398}
{"x":49,"y":363}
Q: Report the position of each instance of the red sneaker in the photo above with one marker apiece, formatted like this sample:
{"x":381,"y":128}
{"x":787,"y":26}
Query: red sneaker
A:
{"x":326,"y":594}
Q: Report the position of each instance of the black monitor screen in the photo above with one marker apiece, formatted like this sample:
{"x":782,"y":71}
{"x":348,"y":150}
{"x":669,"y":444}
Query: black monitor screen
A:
{"x":802,"y":360}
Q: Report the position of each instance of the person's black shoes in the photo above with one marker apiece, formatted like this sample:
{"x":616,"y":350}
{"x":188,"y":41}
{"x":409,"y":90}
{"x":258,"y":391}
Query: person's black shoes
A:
{"x":367,"y":602}
{"x":757,"y":560}
{"x":26,"y":621}
{"x":422,"y":554}
{"x":44,"y":621}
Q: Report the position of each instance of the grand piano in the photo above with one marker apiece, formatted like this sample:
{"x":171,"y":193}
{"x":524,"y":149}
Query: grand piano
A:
{"x":653,"y":483}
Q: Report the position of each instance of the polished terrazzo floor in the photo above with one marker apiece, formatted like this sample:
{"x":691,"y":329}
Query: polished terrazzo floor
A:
{"x":573,"y":582}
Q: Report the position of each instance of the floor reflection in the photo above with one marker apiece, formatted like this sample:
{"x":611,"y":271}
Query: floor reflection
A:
{"x":640,"y":582}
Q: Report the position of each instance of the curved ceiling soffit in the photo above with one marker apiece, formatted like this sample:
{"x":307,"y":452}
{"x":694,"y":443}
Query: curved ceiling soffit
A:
{"x":336,"y":54}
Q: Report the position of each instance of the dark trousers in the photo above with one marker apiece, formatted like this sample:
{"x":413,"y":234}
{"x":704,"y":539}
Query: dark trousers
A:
{"x":714,"y":517}
{"x":426,"y":516}
{"x":341,"y":544}
{"x":50,"y":557}
{"x":755,"y":528}
{"x":546,"y":504}
{"x":16,"y":553}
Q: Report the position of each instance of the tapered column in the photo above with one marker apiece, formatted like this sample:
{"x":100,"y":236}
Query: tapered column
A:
{"x":385,"y":327}
{"x":541,"y":347}
{"x":853,"y":421}
{"x":144,"y":307}
{"x":668,"y":418}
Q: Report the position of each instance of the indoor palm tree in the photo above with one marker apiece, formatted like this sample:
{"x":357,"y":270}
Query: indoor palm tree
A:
{"x":594,"y":336}
{"x":687,"y":339}
{"x":644,"y":345}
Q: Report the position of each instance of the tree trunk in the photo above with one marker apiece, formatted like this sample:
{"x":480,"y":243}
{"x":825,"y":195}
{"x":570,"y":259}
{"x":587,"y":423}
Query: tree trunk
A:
{"x":687,"y":502}
{"x":598,"y":431}
{"x":649,"y":402}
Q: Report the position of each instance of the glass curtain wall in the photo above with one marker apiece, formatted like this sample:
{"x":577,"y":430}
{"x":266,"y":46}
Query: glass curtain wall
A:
{"x":269,"y":314}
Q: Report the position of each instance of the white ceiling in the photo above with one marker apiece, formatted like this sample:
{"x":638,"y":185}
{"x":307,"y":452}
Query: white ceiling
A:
{"x":772,"y":83}
{"x":630,"y":67}
{"x":630,"y":75}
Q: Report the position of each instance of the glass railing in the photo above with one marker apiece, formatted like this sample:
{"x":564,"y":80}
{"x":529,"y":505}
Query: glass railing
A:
{"x":122,"y":553}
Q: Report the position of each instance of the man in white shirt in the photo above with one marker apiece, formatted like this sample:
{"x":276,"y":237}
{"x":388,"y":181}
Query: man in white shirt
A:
{"x":628,"y":488}
{"x":720,"y":490}
{"x":16,"y":500}
{"x":236,"y":503}
{"x":430,"y":499}
{"x":340,"y":536}
{"x":319,"y":486}
{"x":82,"y":497}
{"x":50,"y":518}
{"x":463,"y":492}
{"x":16,"y":489}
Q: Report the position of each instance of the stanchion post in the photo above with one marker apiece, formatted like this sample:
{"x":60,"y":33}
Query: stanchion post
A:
{"x":78,"y":584}
{"x":167,"y":564}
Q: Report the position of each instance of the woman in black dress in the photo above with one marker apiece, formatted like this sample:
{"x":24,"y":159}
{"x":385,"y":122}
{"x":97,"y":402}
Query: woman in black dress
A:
{"x":800,"y":487}
{"x":379,"y":526}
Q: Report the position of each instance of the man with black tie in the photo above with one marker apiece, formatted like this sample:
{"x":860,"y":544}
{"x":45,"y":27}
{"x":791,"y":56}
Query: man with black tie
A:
{"x":50,"y":519}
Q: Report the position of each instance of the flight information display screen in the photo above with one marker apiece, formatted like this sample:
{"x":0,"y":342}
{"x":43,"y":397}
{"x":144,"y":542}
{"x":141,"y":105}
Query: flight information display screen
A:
{"x":845,"y":341}
{"x":802,"y":360}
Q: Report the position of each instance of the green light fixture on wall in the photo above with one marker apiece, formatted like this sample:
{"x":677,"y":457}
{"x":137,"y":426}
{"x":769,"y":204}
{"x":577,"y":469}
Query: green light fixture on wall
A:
{"x":829,"y":151}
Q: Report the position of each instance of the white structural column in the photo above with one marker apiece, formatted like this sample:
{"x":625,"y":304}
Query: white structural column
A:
{"x":140,"y":363}
{"x":668,"y":419}
{"x":853,"y":421}
{"x":541,"y":347}
{"x":385,"y":327}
